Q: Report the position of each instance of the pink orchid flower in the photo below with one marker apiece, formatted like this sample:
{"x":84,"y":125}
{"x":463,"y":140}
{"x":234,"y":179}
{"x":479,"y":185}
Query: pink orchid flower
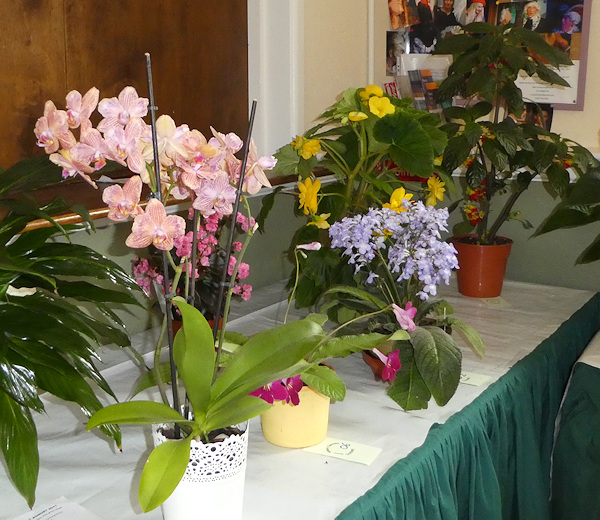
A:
{"x":156,"y":228}
{"x":124,"y":145}
{"x":392,"y":364}
{"x":52,"y":130}
{"x":215,"y":196}
{"x":405,"y":316}
{"x":75,"y":161}
{"x":80,"y":108}
{"x":170,"y":140}
{"x":93,"y":138}
{"x":255,"y":177}
{"x":121,"y":111}
{"x":123,"y":202}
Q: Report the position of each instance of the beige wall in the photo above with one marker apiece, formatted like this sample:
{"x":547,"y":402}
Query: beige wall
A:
{"x":336,"y":45}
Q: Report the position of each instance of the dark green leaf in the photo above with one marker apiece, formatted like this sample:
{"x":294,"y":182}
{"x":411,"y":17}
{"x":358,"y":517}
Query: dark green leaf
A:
{"x":408,"y":388}
{"x":323,"y":379}
{"x":18,"y":438}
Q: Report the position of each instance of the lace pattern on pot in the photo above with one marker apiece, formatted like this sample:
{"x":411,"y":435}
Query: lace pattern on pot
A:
{"x":214,"y":461}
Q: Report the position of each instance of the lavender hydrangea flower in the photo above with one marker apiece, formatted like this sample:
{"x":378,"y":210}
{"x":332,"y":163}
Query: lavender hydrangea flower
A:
{"x":409,"y":242}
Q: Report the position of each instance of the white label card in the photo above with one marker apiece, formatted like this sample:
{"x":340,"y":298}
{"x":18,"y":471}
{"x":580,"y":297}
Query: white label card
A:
{"x":497,"y":302}
{"x":61,"y":509}
{"x":470,"y":378}
{"x":346,"y":450}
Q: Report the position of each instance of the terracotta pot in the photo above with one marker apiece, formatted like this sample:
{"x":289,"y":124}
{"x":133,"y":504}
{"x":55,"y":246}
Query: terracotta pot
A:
{"x":297,"y":426}
{"x":481,"y":267}
{"x":374,"y":363}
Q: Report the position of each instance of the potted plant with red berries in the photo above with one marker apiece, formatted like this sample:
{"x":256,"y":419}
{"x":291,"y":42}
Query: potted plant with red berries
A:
{"x":499,"y":153}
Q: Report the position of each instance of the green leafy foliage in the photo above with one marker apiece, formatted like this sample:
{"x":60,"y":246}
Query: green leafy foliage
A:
{"x":48,"y":339}
{"x":499,"y":152}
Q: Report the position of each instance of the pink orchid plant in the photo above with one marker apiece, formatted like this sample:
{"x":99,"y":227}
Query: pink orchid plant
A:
{"x":193,"y":167}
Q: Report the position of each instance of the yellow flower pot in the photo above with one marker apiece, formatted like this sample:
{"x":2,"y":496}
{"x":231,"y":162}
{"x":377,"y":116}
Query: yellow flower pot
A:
{"x":297,"y":426}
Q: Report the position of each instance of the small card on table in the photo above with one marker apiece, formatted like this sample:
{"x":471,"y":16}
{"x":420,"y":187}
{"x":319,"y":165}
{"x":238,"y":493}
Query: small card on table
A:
{"x":346,"y":450}
{"x":61,"y":509}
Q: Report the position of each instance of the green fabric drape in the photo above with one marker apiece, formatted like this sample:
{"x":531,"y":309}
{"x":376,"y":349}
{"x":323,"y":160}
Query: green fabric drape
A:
{"x":491,"y":461}
{"x":576,"y":460}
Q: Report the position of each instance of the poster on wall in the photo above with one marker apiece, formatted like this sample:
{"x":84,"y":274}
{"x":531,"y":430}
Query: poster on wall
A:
{"x":419,"y":24}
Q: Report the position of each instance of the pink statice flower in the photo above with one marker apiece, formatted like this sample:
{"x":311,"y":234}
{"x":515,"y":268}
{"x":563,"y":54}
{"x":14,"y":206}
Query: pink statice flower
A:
{"x":242,"y":220}
{"x":123,"y":202}
{"x":146,"y":275}
{"x":243,"y":271}
{"x":392,"y":364}
{"x":52,"y":129}
{"x":243,"y":290}
{"x":184,"y":245}
{"x":80,"y":108}
{"x":120,"y":111}
{"x":237,"y":246}
{"x":212,"y":222}
{"x":405,"y":316}
{"x":231,"y":265}
{"x":156,"y":228}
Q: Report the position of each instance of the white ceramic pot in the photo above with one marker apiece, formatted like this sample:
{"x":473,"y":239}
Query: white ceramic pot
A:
{"x":213,"y":483}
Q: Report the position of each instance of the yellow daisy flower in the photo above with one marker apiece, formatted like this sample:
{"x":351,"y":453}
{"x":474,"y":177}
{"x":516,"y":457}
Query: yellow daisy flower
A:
{"x":308,"y":196}
{"x":306,"y":148}
{"x":435,"y":191}
{"x":381,"y":106}
{"x":320,"y":221}
{"x":370,"y":90}
{"x":397,"y":198}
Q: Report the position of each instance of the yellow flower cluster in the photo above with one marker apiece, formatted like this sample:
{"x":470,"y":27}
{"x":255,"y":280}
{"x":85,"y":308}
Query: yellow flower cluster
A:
{"x":397,"y":198}
{"x":306,"y":148}
{"x":308,"y":199}
{"x":377,"y":103}
{"x":435,"y":191}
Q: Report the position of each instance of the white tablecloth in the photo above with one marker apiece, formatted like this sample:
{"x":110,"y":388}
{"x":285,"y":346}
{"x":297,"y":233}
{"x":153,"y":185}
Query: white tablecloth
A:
{"x":284,"y":483}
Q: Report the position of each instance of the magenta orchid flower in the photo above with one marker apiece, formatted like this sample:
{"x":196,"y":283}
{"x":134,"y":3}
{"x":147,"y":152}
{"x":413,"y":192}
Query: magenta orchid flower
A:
{"x":405,"y":316}
{"x":293,"y":385}
{"x":123,"y":202}
{"x":156,"y":228}
{"x":80,"y":108}
{"x":52,"y":130}
{"x":275,"y":391}
{"x":215,"y":196}
{"x":121,"y":110}
{"x":392,"y":364}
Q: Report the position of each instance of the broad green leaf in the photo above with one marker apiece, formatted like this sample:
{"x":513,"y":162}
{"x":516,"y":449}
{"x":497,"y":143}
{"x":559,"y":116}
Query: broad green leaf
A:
{"x":242,"y":409}
{"x":456,"y":153}
{"x":408,"y":388}
{"x":148,"y":379}
{"x":438,"y":360}
{"x":18,"y":382}
{"x":287,"y":161}
{"x":163,"y":471}
{"x":271,"y":350}
{"x":85,"y":291}
{"x":591,"y":253}
{"x":194,"y":355}
{"x":18,"y":438}
{"x":345,"y":345}
{"x":361,"y":294}
{"x":558,"y":177}
{"x":136,"y":412}
{"x":470,"y":335}
{"x":325,"y":380}
{"x":495,"y":154}
{"x":319,"y":319}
